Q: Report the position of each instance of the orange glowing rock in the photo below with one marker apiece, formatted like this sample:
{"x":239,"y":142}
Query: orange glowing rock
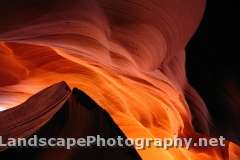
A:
{"x":128,"y":56}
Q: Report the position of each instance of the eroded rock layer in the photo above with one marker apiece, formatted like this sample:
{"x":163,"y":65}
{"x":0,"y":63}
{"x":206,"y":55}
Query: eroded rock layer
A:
{"x":128,"y":56}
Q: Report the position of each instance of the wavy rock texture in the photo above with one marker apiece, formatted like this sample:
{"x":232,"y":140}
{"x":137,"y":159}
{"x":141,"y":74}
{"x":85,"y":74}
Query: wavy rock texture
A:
{"x":61,"y":112}
{"x":126,"y":55}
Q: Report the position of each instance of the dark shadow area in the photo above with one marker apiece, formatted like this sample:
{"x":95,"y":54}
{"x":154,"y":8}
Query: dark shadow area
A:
{"x":213,"y":66}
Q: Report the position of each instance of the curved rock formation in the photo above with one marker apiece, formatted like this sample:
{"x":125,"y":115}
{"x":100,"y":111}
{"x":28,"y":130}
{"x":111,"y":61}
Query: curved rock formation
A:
{"x":128,"y":56}
{"x":61,"y":113}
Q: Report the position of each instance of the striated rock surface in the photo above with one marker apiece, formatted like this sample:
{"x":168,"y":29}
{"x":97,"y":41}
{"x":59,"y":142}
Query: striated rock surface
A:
{"x":127,"y":55}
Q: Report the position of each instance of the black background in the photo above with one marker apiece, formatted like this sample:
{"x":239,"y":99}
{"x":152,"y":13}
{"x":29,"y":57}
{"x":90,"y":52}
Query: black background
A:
{"x":213,"y":65}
